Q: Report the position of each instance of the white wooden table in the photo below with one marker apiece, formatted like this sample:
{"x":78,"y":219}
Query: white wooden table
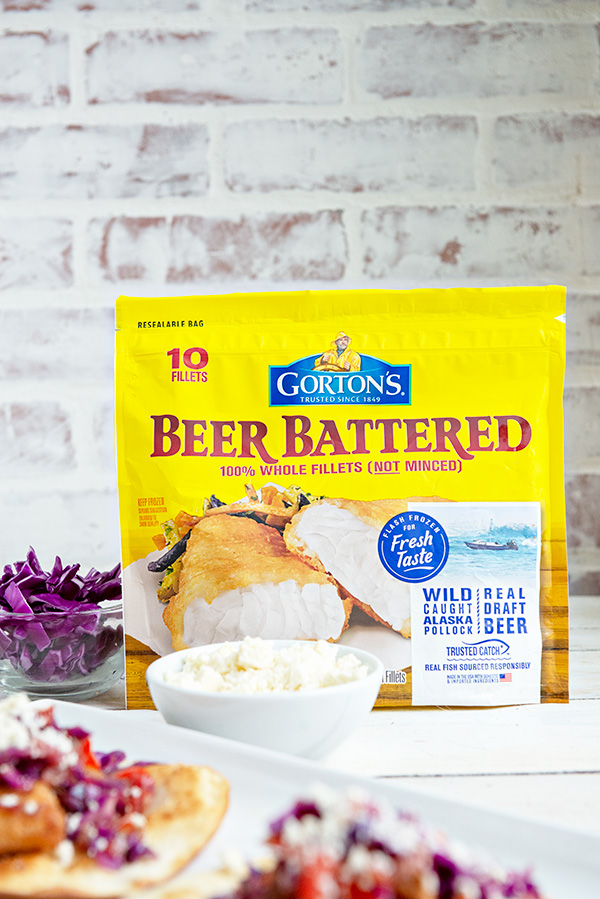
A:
{"x":539,"y":761}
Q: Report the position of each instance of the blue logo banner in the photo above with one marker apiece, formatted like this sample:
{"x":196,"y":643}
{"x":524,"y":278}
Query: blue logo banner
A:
{"x":301,"y":383}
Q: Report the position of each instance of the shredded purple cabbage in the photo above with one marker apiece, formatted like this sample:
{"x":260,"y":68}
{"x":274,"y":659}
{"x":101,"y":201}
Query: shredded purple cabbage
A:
{"x":99,"y":803}
{"x":18,"y":771}
{"x":110,"y":761}
{"x":298,"y":811}
{"x":51,"y":623}
{"x":98,"y":808}
{"x":296,"y":872}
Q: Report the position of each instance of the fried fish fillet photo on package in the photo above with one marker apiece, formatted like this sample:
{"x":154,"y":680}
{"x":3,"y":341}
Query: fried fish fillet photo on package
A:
{"x":379,"y":468}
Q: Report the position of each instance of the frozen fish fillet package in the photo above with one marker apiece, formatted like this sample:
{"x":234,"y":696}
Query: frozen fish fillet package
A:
{"x":382,"y":468}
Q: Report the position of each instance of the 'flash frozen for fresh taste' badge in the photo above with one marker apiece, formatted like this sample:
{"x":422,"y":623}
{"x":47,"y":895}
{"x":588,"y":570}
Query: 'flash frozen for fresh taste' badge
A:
{"x":413,"y":547}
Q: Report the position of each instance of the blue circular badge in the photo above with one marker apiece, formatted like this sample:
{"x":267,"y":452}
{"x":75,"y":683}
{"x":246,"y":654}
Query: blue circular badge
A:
{"x":413,"y":547}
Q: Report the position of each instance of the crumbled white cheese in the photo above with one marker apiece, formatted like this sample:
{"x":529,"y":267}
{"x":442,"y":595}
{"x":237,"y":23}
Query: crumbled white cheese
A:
{"x":65,"y":853}
{"x":338,"y":814}
{"x":73,"y":822}
{"x":31,"y":807}
{"x":467,"y":887}
{"x":257,"y":667}
{"x":361,"y":860}
{"x":234,"y":863}
{"x":22,"y":728}
{"x":9,"y":800}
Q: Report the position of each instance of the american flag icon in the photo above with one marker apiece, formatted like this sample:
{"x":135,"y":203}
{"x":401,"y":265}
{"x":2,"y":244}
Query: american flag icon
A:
{"x":506,"y":678}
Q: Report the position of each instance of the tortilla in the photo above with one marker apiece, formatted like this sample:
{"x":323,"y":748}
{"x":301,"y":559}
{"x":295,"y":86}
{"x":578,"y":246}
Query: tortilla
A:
{"x":188,"y":805}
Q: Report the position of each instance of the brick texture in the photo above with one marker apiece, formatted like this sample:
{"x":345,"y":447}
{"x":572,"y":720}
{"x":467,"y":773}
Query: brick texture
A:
{"x":191,"y":249}
{"x":583,"y":329}
{"x":103,"y":6}
{"x":59,"y":344}
{"x":106,"y":161}
{"x":35,"y":253}
{"x":282,"y":65}
{"x":378,"y":154}
{"x":293,"y":247}
{"x":584,"y":583}
{"x":471,"y":59}
{"x":35,"y":438}
{"x":59,"y":522}
{"x":590,"y":240}
{"x":129,"y":249}
{"x":353,"y":5}
{"x":509,"y":245}
{"x":527,"y":6}
{"x":582,"y":437}
{"x":34,"y":68}
{"x":551,"y":152}
{"x":583,"y":515}
{"x":102,"y":430}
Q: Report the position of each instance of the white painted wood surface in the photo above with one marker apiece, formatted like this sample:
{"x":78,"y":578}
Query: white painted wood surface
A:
{"x":542,"y":762}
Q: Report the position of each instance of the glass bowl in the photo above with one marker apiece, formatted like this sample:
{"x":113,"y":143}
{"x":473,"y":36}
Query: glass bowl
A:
{"x":59,"y":655}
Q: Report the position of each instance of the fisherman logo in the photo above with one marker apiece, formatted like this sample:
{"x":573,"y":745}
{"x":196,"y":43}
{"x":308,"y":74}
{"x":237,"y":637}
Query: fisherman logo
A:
{"x":338,"y":377}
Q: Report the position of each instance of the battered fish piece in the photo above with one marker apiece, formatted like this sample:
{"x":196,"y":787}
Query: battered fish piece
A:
{"x":340,"y":536}
{"x":188,"y":806}
{"x":239,"y":579}
{"x":31,"y":820}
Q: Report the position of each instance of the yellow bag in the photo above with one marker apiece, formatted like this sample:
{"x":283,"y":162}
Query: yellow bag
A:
{"x":378,"y":467}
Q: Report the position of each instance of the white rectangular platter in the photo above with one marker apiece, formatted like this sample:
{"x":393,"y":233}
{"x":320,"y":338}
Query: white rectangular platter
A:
{"x":566,"y":864}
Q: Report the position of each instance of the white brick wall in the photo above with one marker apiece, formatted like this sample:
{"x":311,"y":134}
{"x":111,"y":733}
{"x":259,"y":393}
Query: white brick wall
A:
{"x":35,"y":252}
{"x":229,"y":65}
{"x":75,"y":162}
{"x":382,"y":154}
{"x":482,"y":243}
{"x":472,"y":59}
{"x":34,"y":67}
{"x":174,"y":146}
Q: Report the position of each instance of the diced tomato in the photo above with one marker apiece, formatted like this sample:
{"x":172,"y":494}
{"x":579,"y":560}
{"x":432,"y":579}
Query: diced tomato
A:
{"x":45,"y":716}
{"x":383,"y":890}
{"x":87,"y":756}
{"x":314,"y":881}
{"x":159,"y":541}
{"x":137,"y":774}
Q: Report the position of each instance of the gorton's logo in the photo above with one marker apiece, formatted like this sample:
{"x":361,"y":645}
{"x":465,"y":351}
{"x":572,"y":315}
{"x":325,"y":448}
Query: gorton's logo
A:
{"x":338,"y":377}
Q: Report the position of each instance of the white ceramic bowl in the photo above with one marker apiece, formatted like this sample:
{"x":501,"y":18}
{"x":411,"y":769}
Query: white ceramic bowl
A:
{"x":308,"y":723}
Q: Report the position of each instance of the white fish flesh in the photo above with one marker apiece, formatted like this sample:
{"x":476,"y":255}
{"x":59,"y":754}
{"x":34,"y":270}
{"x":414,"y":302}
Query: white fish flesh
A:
{"x":340,"y":537}
{"x":238,"y":578}
{"x":286,"y":611}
